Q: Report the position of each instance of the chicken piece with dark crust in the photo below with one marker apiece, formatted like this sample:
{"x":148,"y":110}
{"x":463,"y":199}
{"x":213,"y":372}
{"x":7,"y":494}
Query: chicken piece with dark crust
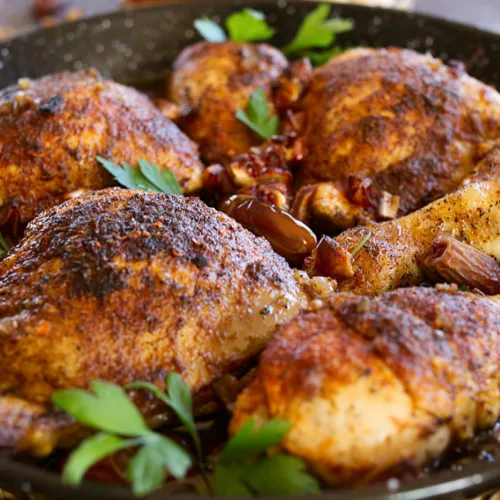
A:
{"x":127,"y":285}
{"x":399,"y":123}
{"x":391,"y":256}
{"x":52,"y":129}
{"x":211,"y":82}
{"x":370,"y":383}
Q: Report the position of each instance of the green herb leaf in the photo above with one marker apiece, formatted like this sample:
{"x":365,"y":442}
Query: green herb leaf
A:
{"x":147,"y":177}
{"x":148,"y":469}
{"x":229,"y":483}
{"x":180,"y":400}
{"x":279,"y":475}
{"x":248,"y":25}
{"x":318,"y":58}
{"x":257,"y":115}
{"x":209,"y":30}
{"x":108,"y":410}
{"x":5,"y":246}
{"x":249,"y":441}
{"x":316,"y":31}
{"x":464,"y":288}
{"x":88,"y":453}
{"x":164,"y":181}
{"x":362,"y":243}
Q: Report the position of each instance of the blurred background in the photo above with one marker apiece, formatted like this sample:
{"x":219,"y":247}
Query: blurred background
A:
{"x":17,"y":16}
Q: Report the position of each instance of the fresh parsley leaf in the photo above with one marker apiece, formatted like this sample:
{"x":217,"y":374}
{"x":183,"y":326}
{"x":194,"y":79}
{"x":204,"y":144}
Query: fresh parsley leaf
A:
{"x":148,"y":469}
{"x":257,"y":115}
{"x":317,"y":31}
{"x":210,"y":30}
{"x":318,"y":58}
{"x":164,"y":180}
{"x":147,"y":177}
{"x":109,"y":409}
{"x":228,"y":482}
{"x":464,"y":288}
{"x":180,"y":400}
{"x":362,"y":243}
{"x":242,"y":470}
{"x":249,"y":441}
{"x":279,"y":475}
{"x":88,"y":453}
{"x":248,"y":25}
{"x":5,"y":246}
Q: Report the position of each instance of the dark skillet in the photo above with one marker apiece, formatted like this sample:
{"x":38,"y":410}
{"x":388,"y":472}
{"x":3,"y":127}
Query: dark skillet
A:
{"x":138,"y":47}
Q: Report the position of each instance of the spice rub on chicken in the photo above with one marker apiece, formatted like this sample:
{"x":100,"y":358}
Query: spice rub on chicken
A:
{"x":387,"y":131}
{"x":211,"y":82}
{"x":369,"y":383}
{"x":125,"y":285}
{"x":52,"y":129}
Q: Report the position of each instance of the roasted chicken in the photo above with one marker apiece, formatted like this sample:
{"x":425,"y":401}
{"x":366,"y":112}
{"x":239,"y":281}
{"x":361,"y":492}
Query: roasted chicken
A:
{"x":370,"y":383}
{"x":126,"y":285}
{"x":52,"y":129}
{"x":392,"y":255}
{"x":211,"y":82}
{"x":385,"y":132}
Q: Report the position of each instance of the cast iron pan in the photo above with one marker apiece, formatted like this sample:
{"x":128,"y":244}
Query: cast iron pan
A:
{"x":138,"y":47}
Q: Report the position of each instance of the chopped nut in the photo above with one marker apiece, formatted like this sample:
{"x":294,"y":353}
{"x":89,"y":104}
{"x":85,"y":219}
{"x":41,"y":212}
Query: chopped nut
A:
{"x":388,"y":206}
{"x":74,"y":14}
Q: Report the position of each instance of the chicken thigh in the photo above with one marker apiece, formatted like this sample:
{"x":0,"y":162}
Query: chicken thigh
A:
{"x":369,"y":383}
{"x":211,"y":82}
{"x":392,"y":254}
{"x":387,"y":131}
{"x":128,"y":285}
{"x":52,"y":129}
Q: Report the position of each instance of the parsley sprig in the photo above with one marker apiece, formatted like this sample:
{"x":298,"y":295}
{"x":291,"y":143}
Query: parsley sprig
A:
{"x":4,"y":246}
{"x":243,"y":467}
{"x":247,"y":25}
{"x":257,"y":115}
{"x":147,"y":176}
{"x":317,"y":32}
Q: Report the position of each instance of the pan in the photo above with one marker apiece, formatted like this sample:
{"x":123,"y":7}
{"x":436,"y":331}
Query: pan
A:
{"x":137,"y":47}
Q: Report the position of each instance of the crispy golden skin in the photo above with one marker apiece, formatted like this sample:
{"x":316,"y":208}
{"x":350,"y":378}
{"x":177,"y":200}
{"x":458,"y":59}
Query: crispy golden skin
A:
{"x":127,"y":285}
{"x":369,"y":383}
{"x":52,"y":131}
{"x":409,"y":123}
{"x":390,"y":258}
{"x":213,"y":81}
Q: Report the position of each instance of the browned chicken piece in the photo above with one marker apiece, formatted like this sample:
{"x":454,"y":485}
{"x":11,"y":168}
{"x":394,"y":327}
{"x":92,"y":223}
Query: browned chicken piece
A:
{"x":52,"y":129}
{"x":391,"y":257}
{"x":387,"y":131}
{"x":370,"y":383}
{"x":211,"y":82}
{"x":127,"y":285}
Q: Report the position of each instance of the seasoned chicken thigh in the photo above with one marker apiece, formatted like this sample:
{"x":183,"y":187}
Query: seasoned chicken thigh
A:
{"x":369,"y":383}
{"x":211,"y":82}
{"x":128,"y":285}
{"x":387,"y":123}
{"x":392,"y":255}
{"x":52,"y":129}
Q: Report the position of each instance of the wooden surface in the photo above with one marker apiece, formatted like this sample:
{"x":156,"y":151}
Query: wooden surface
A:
{"x":15,"y":15}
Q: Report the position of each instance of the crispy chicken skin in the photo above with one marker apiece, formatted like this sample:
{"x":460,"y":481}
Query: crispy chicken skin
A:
{"x":127,"y":285}
{"x":212,"y":81}
{"x":391,"y":257}
{"x":52,"y":129}
{"x":412,"y":125}
{"x":369,"y":383}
